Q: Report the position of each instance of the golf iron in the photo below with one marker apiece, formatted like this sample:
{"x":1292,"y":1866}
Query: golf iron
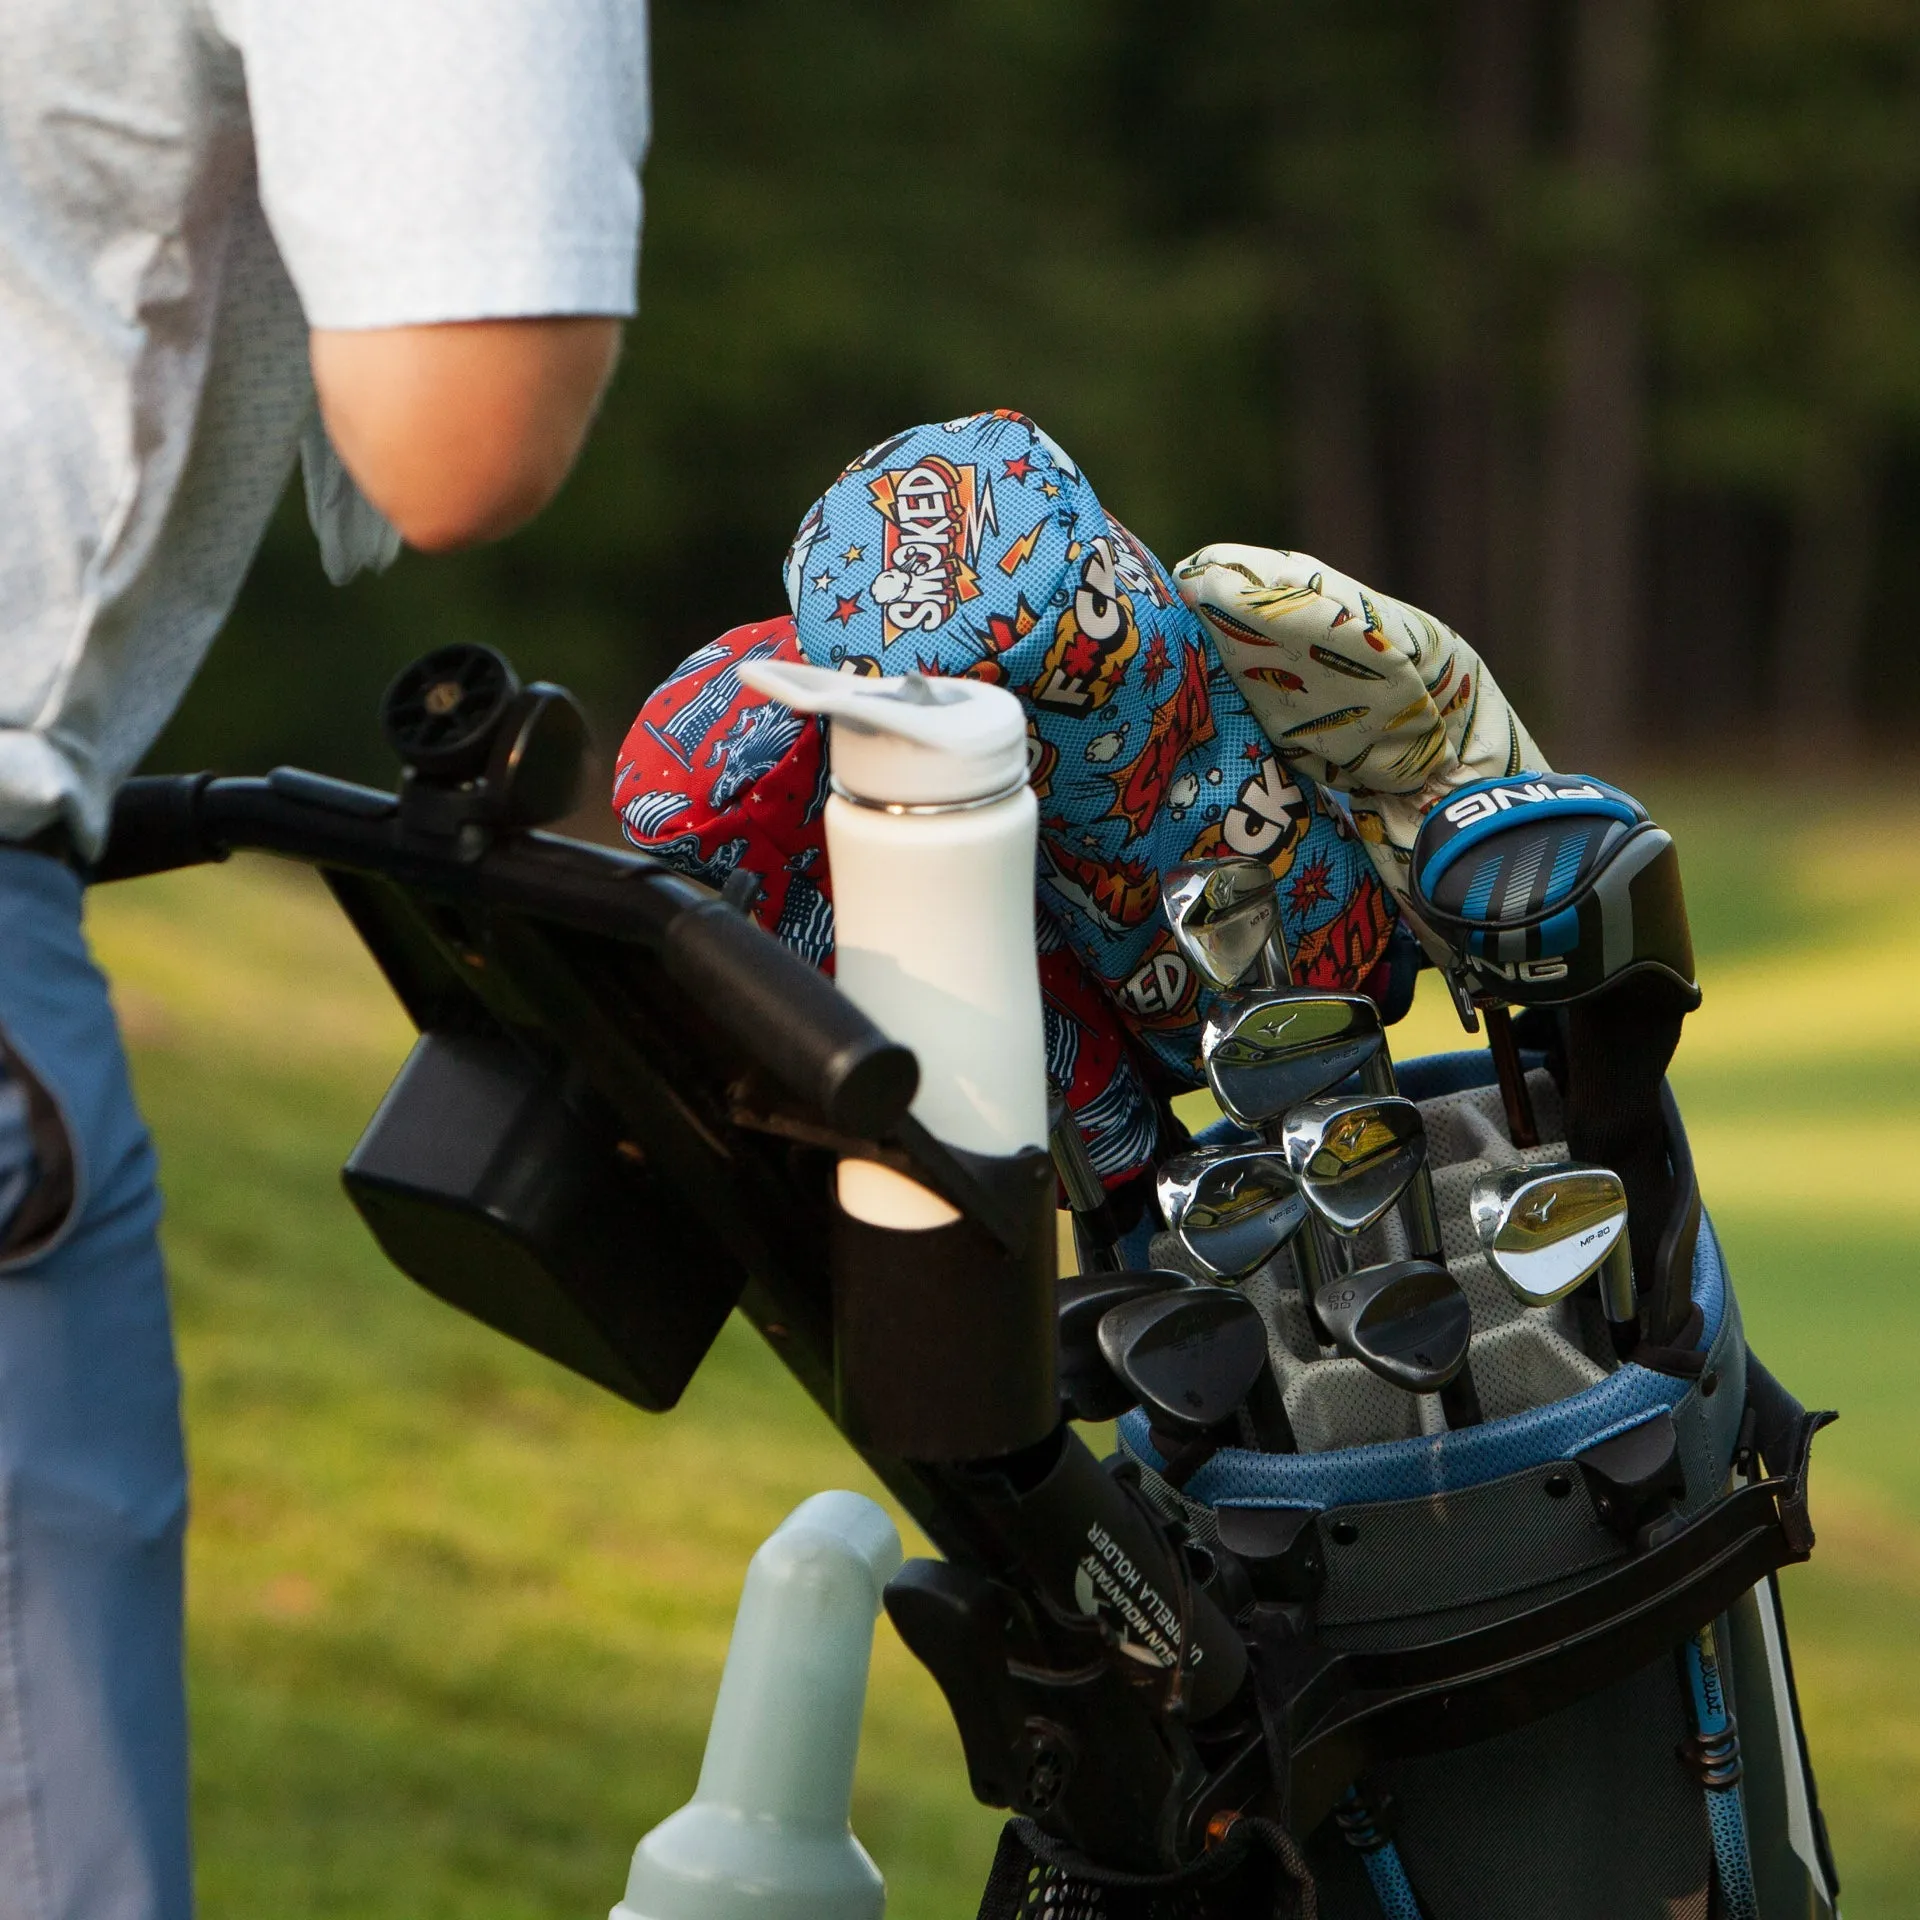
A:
{"x":1225,"y":917}
{"x":1548,"y":1229}
{"x":1231,"y":1208}
{"x":1354,"y":1156}
{"x":1192,"y":1356}
{"x":1409,"y":1322}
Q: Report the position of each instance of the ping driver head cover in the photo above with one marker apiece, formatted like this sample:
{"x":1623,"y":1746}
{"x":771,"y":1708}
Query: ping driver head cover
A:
{"x":1408,"y":1321}
{"x":1547,"y":887}
{"x":1266,"y":1052}
{"x":1232,"y":1208}
{"x":1354,"y":1156}
{"x":1190,"y":1356}
{"x":1223,"y":914}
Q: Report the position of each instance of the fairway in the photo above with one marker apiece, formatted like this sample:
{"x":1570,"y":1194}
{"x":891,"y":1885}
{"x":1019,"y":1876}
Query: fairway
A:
{"x":458,"y":1618}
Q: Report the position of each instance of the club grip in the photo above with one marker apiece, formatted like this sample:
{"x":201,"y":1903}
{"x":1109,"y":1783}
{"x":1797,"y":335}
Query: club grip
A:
{"x":790,"y":1019}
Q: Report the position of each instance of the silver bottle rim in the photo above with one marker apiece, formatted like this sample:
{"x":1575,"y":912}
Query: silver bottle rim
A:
{"x":926,"y":806}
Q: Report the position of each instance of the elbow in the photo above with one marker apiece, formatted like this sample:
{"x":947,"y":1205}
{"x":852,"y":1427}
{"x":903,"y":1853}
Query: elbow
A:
{"x":461,"y":509}
{"x":461,"y":433}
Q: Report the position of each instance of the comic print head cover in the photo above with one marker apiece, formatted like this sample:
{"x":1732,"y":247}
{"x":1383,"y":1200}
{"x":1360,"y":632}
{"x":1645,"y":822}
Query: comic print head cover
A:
{"x":728,"y":786}
{"x":976,"y":546}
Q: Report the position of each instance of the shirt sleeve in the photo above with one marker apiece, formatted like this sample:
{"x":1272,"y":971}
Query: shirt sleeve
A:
{"x":432,"y":160}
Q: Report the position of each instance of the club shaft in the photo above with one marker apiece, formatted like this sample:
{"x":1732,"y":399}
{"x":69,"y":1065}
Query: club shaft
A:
{"x":1460,"y":1399}
{"x":1417,"y":1209}
{"x":1619,"y":1299}
{"x":1095,"y":1231}
{"x":1522,"y":1127}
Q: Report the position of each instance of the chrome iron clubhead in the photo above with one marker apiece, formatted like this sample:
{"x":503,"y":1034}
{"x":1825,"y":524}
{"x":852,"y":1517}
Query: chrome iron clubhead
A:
{"x":1225,"y":916}
{"x":1547,"y":1229}
{"x":1266,"y":1052}
{"x":1231,"y":1208}
{"x":1190,"y":1355}
{"x":1354,"y":1156}
{"x":1408,"y":1321}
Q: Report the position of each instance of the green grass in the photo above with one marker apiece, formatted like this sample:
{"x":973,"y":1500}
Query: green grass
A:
{"x":457,"y":1619}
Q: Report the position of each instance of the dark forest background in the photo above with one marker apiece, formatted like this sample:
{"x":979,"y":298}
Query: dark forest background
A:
{"x":1591,"y":325}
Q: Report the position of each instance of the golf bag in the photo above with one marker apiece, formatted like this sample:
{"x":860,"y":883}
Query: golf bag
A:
{"x":1679,"y":1785}
{"x":1532,"y":1666}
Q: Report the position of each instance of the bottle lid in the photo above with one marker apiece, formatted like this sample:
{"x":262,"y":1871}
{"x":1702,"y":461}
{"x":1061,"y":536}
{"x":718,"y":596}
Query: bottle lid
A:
{"x":908,"y":740}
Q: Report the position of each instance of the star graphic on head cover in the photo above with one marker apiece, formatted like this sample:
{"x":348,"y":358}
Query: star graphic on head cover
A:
{"x":1049,"y":489}
{"x":1019,"y":469}
{"x":854,"y":553}
{"x":1254,"y":750}
{"x":1310,"y":887}
{"x":844,"y":609}
{"x":821,"y":582}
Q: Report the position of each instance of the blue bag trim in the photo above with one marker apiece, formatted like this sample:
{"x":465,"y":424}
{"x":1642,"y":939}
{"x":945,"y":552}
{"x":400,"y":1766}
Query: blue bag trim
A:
{"x":1726,"y":1815}
{"x":1626,"y":811}
{"x":1445,"y":1463}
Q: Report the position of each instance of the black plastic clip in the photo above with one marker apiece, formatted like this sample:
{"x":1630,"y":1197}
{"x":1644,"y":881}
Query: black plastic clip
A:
{"x":1280,"y":1549}
{"x":1636,"y":1477}
{"x":1367,"y":1821}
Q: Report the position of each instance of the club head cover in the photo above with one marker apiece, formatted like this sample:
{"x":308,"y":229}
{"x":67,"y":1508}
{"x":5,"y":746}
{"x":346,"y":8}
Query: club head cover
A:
{"x":1552,"y":887}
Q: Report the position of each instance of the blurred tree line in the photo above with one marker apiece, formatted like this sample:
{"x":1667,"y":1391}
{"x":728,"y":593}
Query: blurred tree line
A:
{"x":1591,"y":325}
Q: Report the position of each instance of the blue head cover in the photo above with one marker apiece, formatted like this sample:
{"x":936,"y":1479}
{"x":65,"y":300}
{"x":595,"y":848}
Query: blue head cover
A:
{"x":976,"y":546}
{"x":1550,"y":886}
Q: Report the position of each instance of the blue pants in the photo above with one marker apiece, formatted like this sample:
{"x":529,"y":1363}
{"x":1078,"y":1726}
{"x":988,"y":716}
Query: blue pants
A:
{"x":93,"y":1737}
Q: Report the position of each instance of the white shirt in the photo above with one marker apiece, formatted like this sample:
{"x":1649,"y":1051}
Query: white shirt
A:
{"x":185,"y":187}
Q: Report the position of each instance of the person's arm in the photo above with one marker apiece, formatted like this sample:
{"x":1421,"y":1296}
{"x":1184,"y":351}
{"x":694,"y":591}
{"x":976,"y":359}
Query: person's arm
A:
{"x":461,"y":432}
{"x":453,"y":191}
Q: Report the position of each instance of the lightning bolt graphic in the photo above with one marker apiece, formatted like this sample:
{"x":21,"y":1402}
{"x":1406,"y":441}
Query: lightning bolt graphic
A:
{"x":1017,"y":555}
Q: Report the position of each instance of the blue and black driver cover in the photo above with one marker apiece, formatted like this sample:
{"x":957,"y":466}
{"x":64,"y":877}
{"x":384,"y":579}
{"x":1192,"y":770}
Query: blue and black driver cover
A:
{"x":1550,"y":886}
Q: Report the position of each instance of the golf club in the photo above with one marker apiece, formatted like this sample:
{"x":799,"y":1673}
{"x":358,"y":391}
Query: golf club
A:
{"x":1191,"y":1356}
{"x":1558,"y":890}
{"x":1407,"y":1321}
{"x":1225,"y":917}
{"x":1354,"y":1157}
{"x":1089,"y":1388}
{"x":1523,"y":1129}
{"x":1231,"y":1208}
{"x":1096,"y":1233}
{"x":1547,"y":1230}
{"x":1266,"y":1052}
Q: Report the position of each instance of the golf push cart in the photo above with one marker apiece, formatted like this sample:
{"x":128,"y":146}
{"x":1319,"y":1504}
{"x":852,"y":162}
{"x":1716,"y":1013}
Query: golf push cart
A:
{"x":1435,"y":1570}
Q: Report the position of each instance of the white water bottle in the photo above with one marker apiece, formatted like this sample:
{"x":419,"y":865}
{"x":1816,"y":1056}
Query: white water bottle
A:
{"x":932,"y":832}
